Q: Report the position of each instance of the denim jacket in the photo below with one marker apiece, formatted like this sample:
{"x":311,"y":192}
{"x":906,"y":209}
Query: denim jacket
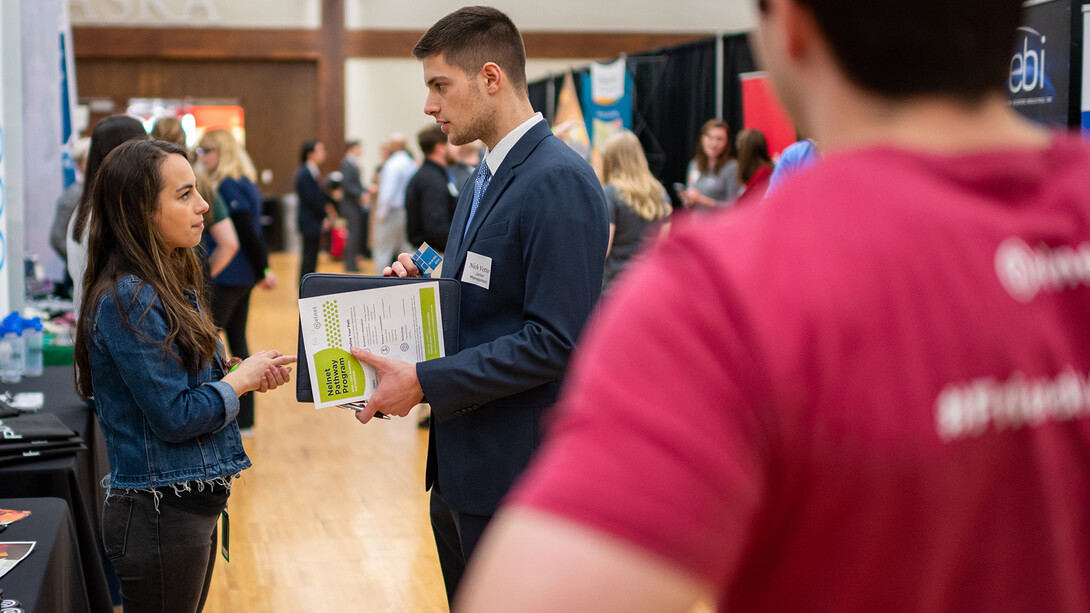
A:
{"x":163,"y":424}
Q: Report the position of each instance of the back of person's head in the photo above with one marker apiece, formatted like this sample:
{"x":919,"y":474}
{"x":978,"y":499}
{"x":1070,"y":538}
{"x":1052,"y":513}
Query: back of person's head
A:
{"x":473,"y":36}
{"x":233,"y":161}
{"x":703,"y":162}
{"x":752,"y":153}
{"x":429,"y":138}
{"x":308,"y":148}
{"x":624,"y":166}
{"x":396,"y":143}
{"x":955,"y":48}
{"x":106,"y":136}
{"x":170,"y":130}
{"x":125,"y":238}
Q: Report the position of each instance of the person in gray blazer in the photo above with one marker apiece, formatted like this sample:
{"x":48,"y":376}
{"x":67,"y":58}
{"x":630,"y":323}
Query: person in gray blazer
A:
{"x":353,"y":206}
{"x":528,"y":242}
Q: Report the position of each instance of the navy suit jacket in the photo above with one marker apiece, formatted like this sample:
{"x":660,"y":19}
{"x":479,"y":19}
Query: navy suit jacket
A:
{"x":543,"y":221}
{"x":312,"y":201}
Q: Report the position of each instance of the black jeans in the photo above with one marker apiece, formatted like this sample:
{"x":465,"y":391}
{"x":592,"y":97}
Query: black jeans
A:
{"x":163,"y":559}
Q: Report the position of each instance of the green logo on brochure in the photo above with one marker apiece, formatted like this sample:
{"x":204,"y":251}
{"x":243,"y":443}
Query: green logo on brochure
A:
{"x":339,"y":374}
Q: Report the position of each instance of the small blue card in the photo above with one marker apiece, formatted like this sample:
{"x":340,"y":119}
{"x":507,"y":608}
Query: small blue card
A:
{"x":427,"y":260}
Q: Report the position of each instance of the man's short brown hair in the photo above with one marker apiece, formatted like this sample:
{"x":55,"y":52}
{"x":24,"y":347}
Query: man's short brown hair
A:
{"x":903,"y":48}
{"x":473,"y":36}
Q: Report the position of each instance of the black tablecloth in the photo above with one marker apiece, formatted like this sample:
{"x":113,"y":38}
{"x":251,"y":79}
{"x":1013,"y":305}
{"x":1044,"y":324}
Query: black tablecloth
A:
{"x":74,"y":478}
{"x":49,"y":580}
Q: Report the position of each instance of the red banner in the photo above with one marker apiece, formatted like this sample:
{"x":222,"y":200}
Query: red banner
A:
{"x":762,"y":111}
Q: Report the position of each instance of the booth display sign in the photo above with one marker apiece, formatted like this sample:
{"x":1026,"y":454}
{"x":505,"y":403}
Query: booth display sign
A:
{"x":4,"y":93}
{"x":607,"y":98}
{"x":761,"y":110}
{"x":569,"y":125}
{"x":1039,"y":83}
{"x":1086,"y":70}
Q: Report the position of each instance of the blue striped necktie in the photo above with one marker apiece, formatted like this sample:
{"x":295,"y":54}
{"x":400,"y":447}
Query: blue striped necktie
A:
{"x":479,"y":185}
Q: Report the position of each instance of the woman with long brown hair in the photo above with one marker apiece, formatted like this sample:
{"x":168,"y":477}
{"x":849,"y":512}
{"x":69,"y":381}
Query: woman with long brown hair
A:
{"x":755,"y":165}
{"x":218,"y":227}
{"x":166,"y":400}
{"x":712,"y":177}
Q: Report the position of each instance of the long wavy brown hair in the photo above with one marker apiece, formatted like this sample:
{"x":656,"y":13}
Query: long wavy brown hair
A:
{"x":124,"y":238}
{"x":752,"y":154}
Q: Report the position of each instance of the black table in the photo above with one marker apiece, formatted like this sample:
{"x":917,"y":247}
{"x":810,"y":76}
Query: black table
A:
{"x":49,"y":580}
{"x":73,"y":478}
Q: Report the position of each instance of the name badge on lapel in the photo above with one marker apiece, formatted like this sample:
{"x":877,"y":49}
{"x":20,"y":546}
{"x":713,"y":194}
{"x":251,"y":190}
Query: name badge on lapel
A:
{"x":478,"y":270}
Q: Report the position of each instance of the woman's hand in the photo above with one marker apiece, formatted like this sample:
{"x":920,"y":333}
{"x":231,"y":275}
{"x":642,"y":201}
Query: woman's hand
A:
{"x":692,"y":198}
{"x":262,"y":371}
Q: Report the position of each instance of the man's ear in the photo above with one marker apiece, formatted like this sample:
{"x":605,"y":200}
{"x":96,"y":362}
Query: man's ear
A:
{"x":799,"y":27}
{"x":492,"y":77}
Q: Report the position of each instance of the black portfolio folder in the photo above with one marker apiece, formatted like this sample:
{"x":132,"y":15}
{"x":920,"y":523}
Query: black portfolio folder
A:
{"x":322,"y":284}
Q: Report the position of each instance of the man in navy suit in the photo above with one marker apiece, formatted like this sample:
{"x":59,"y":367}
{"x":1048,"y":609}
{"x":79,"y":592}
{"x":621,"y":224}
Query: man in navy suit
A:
{"x":528,"y":242}
{"x":316,"y":211}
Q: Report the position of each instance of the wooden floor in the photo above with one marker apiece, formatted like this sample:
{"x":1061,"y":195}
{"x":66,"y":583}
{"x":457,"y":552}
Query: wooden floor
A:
{"x":333,"y":516}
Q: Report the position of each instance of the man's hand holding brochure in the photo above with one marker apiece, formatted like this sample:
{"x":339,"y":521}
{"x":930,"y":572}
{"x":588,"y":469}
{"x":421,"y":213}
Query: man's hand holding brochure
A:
{"x":398,"y":326}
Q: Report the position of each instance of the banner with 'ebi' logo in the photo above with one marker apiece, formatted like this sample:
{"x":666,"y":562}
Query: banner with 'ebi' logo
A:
{"x":1039,"y":82}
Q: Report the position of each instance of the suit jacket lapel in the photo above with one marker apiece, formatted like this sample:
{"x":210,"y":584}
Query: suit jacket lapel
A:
{"x":457,"y":227}
{"x":496,"y":187}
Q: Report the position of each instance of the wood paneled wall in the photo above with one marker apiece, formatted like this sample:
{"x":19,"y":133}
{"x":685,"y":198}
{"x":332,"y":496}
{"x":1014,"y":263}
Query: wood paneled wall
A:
{"x":279,"y":98}
{"x":291,"y":83}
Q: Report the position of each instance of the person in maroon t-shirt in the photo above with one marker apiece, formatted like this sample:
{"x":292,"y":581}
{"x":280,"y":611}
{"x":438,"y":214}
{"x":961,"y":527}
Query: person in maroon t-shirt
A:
{"x":869,"y":393}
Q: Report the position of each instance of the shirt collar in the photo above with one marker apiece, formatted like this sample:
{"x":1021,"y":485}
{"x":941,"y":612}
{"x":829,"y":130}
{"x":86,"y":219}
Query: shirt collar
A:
{"x":494,"y":158}
{"x":313,"y":168}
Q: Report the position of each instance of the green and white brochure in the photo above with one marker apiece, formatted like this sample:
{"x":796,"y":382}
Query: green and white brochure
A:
{"x":400,"y":322}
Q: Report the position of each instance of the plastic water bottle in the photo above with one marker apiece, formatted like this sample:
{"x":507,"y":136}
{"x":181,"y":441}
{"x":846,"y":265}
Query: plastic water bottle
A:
{"x":11,"y":353}
{"x":32,"y":338}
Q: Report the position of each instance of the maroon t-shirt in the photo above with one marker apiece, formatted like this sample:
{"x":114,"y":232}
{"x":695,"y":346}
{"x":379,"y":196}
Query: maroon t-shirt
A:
{"x":867,"y":393}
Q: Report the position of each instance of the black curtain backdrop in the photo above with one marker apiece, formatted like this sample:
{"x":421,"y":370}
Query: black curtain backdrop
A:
{"x":684,"y":102}
{"x":674,"y":95}
{"x":737,"y":59}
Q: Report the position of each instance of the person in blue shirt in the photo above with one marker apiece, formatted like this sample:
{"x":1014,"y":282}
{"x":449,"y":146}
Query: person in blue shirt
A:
{"x":795,"y":158}
{"x":166,"y":400}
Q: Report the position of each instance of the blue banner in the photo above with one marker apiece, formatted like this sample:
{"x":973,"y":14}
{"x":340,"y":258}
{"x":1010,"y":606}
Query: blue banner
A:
{"x":607,"y":101}
{"x":67,"y":163}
